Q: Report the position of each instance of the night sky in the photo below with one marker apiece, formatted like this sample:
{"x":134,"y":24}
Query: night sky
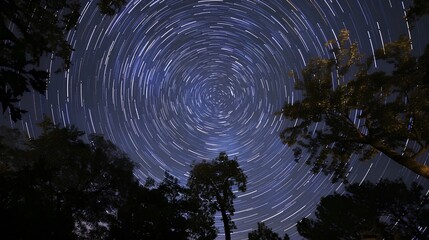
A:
{"x":172,"y":81}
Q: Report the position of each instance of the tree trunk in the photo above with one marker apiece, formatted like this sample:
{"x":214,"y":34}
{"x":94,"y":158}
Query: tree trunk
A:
{"x":225,"y":221}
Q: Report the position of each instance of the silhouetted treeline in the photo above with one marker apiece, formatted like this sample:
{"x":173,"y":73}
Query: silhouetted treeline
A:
{"x":59,"y":187}
{"x":387,"y":210}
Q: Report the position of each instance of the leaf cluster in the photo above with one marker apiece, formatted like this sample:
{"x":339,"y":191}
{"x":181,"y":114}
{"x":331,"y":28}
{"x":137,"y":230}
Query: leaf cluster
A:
{"x":57,"y":186}
{"x":418,"y":9}
{"x":163,"y":212}
{"x":387,"y":210}
{"x":349,"y":108}
{"x":33,"y":31}
{"x":265,"y":233}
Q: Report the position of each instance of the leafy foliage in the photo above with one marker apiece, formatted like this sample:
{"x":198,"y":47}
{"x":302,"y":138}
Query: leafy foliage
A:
{"x":31,"y":31}
{"x":213,"y":181}
{"x":110,"y":7}
{"x":59,"y":187}
{"x":265,"y":233}
{"x":417,"y":10}
{"x":349,"y":108}
{"x":63,"y":188}
{"x":165,"y":212}
{"x":388,"y":210}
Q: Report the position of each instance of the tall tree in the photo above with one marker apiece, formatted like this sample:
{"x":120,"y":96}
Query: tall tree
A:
{"x":30,"y":31}
{"x":350,"y":108}
{"x":212,"y":181}
{"x":387,"y":210}
{"x":265,"y":233}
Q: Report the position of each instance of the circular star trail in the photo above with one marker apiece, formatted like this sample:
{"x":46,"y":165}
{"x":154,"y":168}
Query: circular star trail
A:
{"x":172,"y":82}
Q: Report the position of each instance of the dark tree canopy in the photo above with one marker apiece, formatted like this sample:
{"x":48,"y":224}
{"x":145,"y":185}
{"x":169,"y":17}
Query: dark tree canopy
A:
{"x":163,"y":212}
{"x":213,"y":182}
{"x":57,"y":186}
{"x":350,"y":108}
{"x":417,"y":10}
{"x":265,"y":233}
{"x":110,"y":7}
{"x":30,"y":31}
{"x":388,"y":210}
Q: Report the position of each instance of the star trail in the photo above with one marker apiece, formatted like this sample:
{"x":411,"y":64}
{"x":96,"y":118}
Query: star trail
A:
{"x":171,"y":82}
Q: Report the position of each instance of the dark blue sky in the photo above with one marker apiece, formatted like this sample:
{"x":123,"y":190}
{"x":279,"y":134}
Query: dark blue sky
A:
{"x":172,"y":81}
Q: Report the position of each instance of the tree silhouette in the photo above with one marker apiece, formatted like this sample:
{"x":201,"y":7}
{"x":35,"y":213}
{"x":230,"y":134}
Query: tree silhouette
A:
{"x":417,"y":10}
{"x":30,"y":31}
{"x":265,"y":233}
{"x":374,"y":111}
{"x":57,"y":186}
{"x":162,"y":212}
{"x":213,"y":181}
{"x":61,"y":187}
{"x":110,"y":7}
{"x":388,"y":210}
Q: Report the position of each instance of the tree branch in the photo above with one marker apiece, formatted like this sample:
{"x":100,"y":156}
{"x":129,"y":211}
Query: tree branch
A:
{"x":408,"y":162}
